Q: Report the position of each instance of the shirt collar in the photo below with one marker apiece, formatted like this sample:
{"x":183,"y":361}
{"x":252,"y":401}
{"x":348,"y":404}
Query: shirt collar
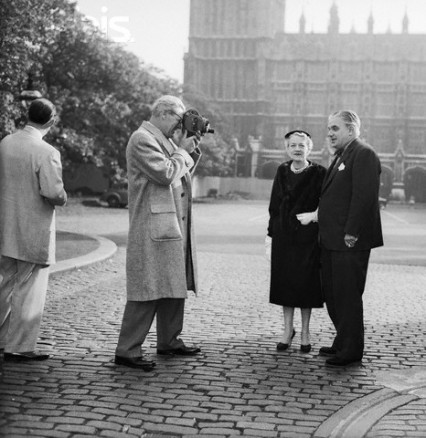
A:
{"x":33,"y":131}
{"x":339,"y":152}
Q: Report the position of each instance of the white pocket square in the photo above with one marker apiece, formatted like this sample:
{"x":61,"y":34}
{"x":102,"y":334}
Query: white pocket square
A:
{"x":341,"y":167}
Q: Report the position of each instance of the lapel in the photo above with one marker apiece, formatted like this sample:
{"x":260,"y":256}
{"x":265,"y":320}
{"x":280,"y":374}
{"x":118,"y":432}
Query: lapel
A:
{"x":165,"y":144}
{"x":333,"y":169}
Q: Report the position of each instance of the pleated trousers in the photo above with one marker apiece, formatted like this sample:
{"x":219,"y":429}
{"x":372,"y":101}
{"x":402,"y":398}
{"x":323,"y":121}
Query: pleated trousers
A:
{"x":137,"y":320}
{"x":23,"y":288}
{"x":344,"y":275}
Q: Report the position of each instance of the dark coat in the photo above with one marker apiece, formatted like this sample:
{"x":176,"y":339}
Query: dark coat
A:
{"x":295,"y":270}
{"x":350,"y":200}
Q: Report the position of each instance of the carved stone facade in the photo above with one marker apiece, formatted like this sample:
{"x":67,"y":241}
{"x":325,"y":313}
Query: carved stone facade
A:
{"x":269,"y":82}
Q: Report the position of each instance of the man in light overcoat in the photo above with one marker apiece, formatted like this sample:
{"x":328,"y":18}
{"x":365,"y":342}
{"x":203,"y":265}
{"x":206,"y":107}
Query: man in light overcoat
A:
{"x":161,"y":262}
{"x":349,"y":227}
{"x":30,"y":188}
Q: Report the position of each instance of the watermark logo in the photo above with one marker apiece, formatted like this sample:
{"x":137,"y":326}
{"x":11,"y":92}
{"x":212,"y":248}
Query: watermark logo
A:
{"x":114,"y":27}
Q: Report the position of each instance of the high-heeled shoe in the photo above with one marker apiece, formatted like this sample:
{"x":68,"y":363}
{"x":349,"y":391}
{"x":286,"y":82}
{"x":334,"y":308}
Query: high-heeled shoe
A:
{"x":305,"y":348}
{"x":281,"y":346}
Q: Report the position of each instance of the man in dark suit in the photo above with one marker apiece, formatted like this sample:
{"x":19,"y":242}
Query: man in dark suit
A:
{"x":349,"y":227}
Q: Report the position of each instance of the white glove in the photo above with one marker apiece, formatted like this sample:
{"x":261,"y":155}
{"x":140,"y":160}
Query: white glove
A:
{"x":268,"y":246}
{"x":307,"y":218}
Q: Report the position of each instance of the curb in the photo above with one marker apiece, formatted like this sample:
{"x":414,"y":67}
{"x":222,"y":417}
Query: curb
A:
{"x":358,"y":417}
{"x":107,"y":248}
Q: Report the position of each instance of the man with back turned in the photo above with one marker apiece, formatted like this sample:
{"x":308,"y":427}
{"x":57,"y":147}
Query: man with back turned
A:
{"x":349,"y":226}
{"x":30,"y":188}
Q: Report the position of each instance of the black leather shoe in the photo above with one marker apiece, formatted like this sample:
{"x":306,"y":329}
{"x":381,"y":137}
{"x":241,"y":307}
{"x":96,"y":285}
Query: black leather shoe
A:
{"x":327,"y":351}
{"x":336,"y":362}
{"x":181,"y":351}
{"x":24,"y":357}
{"x":305,"y":348}
{"x":282,"y":347}
{"x":135,"y":362}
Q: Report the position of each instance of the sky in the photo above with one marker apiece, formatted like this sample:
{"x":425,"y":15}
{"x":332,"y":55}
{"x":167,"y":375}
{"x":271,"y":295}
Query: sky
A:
{"x":157,"y":30}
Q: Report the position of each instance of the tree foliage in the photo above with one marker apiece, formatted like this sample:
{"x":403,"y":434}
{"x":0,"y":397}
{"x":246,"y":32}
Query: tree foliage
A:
{"x":102,"y":92}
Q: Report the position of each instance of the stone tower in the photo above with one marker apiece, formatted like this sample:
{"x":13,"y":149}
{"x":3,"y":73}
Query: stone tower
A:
{"x":227,"y":41}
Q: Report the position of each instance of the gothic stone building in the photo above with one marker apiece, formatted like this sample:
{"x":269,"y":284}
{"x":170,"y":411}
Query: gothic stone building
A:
{"x":268,"y":82}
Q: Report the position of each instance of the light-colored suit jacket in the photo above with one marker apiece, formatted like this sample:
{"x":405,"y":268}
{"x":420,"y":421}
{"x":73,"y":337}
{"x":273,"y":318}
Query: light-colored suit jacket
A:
{"x":30,"y":187}
{"x":161,"y":260}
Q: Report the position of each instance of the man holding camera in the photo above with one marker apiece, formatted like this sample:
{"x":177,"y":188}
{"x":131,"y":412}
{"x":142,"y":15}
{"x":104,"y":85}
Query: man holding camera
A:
{"x":161,"y":264}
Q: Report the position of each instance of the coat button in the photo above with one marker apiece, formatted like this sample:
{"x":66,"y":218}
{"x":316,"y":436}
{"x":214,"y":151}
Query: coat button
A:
{"x":182,"y":194}
{"x":183,"y":218}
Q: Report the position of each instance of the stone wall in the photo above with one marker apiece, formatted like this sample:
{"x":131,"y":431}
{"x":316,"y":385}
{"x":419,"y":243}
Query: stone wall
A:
{"x":252,"y":188}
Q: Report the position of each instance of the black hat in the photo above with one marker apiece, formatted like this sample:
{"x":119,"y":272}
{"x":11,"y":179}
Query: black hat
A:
{"x":296,"y":131}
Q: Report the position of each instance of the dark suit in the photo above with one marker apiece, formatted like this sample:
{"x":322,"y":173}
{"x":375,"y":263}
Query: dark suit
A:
{"x":349,"y":205}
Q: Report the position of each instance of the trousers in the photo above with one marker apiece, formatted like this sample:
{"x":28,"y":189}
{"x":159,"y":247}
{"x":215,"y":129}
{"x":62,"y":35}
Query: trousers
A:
{"x":137,"y":320}
{"x":23,"y":287}
{"x":344,"y":274}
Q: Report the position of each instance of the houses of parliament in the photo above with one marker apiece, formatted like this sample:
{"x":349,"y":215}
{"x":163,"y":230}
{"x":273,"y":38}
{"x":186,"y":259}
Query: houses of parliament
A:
{"x":268,"y":82}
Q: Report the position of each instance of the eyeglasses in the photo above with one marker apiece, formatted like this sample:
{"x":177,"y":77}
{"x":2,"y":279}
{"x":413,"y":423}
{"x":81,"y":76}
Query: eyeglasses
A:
{"x":177,"y":115}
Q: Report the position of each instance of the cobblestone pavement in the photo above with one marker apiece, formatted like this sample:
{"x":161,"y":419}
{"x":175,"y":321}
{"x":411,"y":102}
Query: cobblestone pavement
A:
{"x":239,"y":385}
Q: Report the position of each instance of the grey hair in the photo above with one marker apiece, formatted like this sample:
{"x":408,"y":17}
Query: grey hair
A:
{"x":350,"y":118}
{"x":308,"y":139}
{"x":166,"y":103}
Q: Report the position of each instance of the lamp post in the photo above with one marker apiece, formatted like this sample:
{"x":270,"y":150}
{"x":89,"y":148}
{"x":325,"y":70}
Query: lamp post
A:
{"x":29,"y":94}
{"x":25,"y":97}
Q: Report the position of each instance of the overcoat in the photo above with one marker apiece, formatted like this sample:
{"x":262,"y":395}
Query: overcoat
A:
{"x":350,"y":200}
{"x":161,"y":259}
{"x":30,"y":186}
{"x":295,"y":264}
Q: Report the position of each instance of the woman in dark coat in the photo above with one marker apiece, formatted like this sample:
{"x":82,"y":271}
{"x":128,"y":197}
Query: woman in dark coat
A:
{"x":293,"y":230}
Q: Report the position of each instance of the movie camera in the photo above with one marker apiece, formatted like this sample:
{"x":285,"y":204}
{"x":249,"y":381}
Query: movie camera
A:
{"x":195,"y":124}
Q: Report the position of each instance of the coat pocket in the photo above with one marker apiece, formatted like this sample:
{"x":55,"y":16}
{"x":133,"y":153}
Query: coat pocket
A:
{"x":164,"y":223}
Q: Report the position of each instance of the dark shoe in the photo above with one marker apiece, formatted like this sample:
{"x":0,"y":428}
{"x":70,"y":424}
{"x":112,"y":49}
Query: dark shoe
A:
{"x":336,"y":362}
{"x":181,"y":351}
{"x":282,"y":347}
{"x":305,"y":348}
{"x":24,"y":357}
{"x":327,"y":351}
{"x":135,"y":362}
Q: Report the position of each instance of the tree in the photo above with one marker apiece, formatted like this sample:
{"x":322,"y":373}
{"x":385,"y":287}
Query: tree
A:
{"x":102,"y":93}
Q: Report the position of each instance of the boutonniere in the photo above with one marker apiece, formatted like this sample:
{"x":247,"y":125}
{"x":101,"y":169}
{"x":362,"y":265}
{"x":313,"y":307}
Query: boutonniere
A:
{"x":341,"y":167}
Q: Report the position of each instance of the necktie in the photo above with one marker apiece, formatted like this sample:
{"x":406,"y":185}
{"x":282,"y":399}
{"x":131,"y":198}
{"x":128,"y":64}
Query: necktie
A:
{"x":337,"y":155}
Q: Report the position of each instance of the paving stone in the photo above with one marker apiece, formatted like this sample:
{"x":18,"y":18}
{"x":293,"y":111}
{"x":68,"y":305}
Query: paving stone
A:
{"x":215,"y":432}
{"x":170,"y":429}
{"x":75,"y":429}
{"x":238,"y":386}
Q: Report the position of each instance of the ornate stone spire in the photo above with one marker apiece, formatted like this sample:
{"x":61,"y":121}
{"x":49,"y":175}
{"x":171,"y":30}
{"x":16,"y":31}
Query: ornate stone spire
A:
{"x":370,"y":22}
{"x":302,"y":23}
{"x":405,"y":21}
{"x":333,"y":26}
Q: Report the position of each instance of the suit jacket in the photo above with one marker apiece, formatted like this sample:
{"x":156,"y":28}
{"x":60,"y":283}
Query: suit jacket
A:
{"x":349,"y":202}
{"x":30,"y":187}
{"x":161,"y":261}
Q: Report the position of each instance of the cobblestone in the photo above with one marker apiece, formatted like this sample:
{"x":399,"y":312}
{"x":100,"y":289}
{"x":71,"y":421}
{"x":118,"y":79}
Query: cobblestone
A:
{"x":239,"y":385}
